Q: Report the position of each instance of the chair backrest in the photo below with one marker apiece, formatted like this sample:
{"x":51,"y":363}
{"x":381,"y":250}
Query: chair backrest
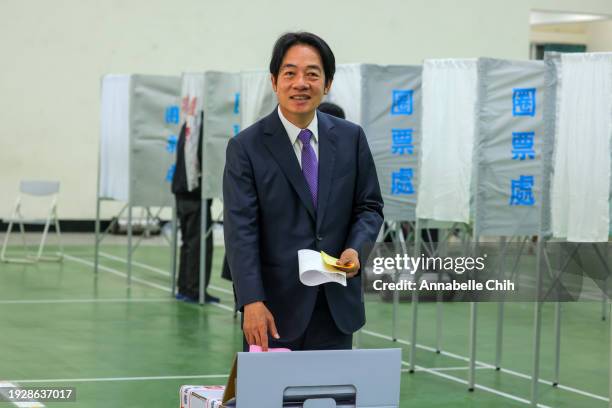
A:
{"x":39,"y":187}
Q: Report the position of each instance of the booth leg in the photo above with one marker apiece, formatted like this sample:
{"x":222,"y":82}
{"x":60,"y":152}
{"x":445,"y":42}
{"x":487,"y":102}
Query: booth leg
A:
{"x":203,"y":235}
{"x":174,"y":244}
{"x":604,"y":300}
{"x":499,"y":340}
{"x":557,"y":343}
{"x":129,"y":245}
{"x":439,"y":319}
{"x":472,"y":363}
{"x":415,"y":299}
{"x":97,"y":238}
{"x":537,"y":328}
{"x":500,"y":335}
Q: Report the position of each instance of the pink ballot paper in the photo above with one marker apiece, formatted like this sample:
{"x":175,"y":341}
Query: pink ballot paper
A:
{"x":257,"y":349}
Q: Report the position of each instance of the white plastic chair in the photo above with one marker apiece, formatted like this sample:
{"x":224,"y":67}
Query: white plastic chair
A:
{"x":39,"y":189}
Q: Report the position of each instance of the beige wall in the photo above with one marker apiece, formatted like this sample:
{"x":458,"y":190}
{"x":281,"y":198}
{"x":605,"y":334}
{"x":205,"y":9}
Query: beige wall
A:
{"x":577,"y":6}
{"x":54,"y":53}
{"x":597,"y":36}
{"x":600,"y":36}
{"x":560,"y":34}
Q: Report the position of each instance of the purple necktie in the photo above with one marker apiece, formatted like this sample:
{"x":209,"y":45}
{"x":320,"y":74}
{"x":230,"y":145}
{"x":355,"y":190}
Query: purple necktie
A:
{"x":310,"y":166}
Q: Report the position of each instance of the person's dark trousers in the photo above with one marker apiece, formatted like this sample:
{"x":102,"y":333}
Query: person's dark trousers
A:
{"x":225,"y":271}
{"x":226,"y":274}
{"x":188,"y":209}
{"x":321,"y":332}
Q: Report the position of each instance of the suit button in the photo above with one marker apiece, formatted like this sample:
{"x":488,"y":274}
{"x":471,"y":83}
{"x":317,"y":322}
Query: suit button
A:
{"x":319,"y":238}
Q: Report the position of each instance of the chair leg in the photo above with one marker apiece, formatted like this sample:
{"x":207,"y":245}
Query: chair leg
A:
{"x":60,"y":253}
{"x":59,"y":256}
{"x":43,"y":239}
{"x":23,"y":237}
{"x":3,"y":257}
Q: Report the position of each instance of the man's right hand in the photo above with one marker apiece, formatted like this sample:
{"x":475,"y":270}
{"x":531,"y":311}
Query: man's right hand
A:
{"x":258,"y":321}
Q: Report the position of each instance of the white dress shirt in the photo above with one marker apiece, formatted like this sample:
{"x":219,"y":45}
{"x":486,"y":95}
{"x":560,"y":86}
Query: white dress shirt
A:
{"x":293,"y":132}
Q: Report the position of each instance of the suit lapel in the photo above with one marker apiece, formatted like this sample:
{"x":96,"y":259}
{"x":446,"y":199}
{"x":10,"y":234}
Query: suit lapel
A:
{"x":277,"y":142}
{"x":327,"y":156}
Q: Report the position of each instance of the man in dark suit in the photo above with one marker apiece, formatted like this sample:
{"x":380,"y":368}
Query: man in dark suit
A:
{"x":299,"y":179}
{"x":189,"y":211}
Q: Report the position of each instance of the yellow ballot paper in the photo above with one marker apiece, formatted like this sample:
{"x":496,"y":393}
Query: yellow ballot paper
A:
{"x":331,"y":261}
{"x":315,"y":269}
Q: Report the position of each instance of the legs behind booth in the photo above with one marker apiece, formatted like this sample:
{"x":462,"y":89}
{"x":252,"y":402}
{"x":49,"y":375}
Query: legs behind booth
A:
{"x":188,"y":211}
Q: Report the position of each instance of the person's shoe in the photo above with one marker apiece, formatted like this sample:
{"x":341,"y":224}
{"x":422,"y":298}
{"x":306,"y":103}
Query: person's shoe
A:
{"x":186,"y":299}
{"x":211,"y":299}
{"x":189,"y":299}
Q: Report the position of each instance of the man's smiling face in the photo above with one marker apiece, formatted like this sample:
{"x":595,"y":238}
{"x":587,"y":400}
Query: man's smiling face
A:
{"x":300,"y":85}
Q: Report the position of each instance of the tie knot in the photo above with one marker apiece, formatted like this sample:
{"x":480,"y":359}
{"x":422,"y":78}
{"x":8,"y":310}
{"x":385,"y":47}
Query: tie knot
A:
{"x":304,"y":136}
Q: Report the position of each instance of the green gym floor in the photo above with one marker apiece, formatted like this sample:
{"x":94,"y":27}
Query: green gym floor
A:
{"x":60,"y":325}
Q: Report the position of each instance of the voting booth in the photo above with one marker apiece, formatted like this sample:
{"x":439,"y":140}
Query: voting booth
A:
{"x":539,"y":138}
{"x":391,"y":119}
{"x":385,"y":102}
{"x":347,"y":91}
{"x":138,"y":135}
{"x":446,"y":184}
{"x":484,"y":150}
{"x":578,"y":174}
{"x":512,"y":153}
{"x":230,"y":101}
{"x":580,"y":194}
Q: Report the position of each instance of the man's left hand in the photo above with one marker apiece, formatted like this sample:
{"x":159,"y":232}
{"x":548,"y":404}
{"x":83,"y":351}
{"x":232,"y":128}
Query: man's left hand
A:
{"x":349,"y":261}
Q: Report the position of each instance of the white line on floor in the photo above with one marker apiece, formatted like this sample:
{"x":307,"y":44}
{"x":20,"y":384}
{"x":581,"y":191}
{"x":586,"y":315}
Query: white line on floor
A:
{"x":4,"y":393}
{"x":141,"y":281}
{"x":222,"y":306}
{"x":139,"y":264}
{"x":116,"y":272}
{"x":109,"y":379}
{"x":560,"y":386}
{"x":222,"y":290}
{"x":450,"y":368}
{"x":478,"y":386}
{"x":422,"y":347}
{"x":487,"y":365}
{"x":158,"y":271}
{"x":52,"y":301}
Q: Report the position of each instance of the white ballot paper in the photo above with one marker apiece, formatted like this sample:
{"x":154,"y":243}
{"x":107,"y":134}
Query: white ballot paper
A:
{"x":313,"y":271}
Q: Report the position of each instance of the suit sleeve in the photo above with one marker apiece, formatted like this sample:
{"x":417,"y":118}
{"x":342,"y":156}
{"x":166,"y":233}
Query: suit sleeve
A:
{"x":241,"y":225}
{"x":367,"y":202}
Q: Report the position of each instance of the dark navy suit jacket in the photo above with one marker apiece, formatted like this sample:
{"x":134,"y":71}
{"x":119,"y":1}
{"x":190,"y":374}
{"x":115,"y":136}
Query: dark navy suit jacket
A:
{"x":269,"y":215}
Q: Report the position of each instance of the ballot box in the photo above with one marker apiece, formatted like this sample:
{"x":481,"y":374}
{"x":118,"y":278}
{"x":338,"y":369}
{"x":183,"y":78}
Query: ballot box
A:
{"x":312,"y":379}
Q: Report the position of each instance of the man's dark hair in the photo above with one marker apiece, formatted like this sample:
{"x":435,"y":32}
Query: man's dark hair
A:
{"x":332,"y":109}
{"x":288,"y":40}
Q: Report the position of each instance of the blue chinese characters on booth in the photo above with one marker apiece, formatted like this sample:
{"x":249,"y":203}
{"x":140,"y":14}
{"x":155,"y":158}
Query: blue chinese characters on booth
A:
{"x":237,"y":103}
{"x":522,"y":191}
{"x":170,"y":173}
{"x":524,"y":102}
{"x":401,"y":182}
{"x":402,"y":102}
{"x":522,"y":145}
{"x":236,"y":126}
{"x":171,"y":143}
{"x":401,"y":141}
{"x":172,"y":114}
